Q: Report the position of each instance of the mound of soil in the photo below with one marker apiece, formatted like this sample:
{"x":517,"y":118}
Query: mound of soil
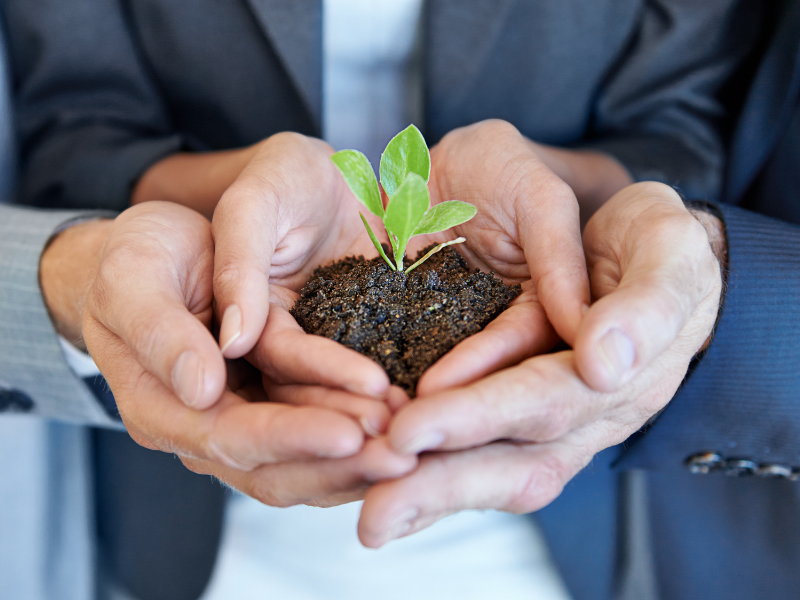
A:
{"x":404,"y":322}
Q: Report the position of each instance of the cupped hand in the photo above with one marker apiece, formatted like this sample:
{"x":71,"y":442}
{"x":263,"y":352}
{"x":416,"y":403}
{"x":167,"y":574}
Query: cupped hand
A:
{"x":146,"y":323}
{"x":527,"y":231}
{"x":289,"y":212}
{"x":512,"y":440}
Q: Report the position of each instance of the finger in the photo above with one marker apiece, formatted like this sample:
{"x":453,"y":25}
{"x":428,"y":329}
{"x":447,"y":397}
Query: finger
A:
{"x":147,"y":310}
{"x":549,"y":230}
{"x":240,"y":434}
{"x":669,"y":273}
{"x":372,"y":414}
{"x":516,"y":334}
{"x":246,"y":435}
{"x":317,"y":482}
{"x":245,"y":235}
{"x":539,"y":400}
{"x":288,"y":355}
{"x":397,"y":398}
{"x":516,"y":478}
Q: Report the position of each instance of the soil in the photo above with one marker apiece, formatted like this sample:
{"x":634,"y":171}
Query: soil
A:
{"x":405,"y":322}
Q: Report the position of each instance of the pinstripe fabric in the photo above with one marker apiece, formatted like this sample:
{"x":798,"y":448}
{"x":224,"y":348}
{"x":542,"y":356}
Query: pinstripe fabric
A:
{"x":31,"y":360}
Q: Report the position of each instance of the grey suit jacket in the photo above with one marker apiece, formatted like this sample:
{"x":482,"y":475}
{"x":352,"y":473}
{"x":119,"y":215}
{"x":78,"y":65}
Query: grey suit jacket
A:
{"x":46,"y":544}
{"x":104,"y":88}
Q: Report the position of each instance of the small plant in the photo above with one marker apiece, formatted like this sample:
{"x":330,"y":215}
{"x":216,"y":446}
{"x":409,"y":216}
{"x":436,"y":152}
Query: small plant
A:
{"x":405,"y":169}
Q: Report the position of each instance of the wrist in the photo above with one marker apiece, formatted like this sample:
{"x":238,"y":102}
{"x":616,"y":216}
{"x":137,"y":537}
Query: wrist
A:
{"x":710,"y":218}
{"x":195,"y":180}
{"x":66,"y":271}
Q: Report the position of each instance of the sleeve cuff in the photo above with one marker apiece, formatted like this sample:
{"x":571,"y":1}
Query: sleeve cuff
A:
{"x":32,"y":363}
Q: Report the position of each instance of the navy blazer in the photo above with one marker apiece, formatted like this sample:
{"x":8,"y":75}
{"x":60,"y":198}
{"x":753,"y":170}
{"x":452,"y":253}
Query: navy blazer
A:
{"x":738,"y":411}
{"x":104,"y":88}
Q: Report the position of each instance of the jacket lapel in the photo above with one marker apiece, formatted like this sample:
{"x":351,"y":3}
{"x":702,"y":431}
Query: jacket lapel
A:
{"x":770,"y":104}
{"x":295,"y":29}
{"x":459,"y":35}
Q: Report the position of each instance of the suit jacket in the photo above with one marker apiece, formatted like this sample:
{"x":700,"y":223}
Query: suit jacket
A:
{"x":713,"y":536}
{"x":104,"y":88}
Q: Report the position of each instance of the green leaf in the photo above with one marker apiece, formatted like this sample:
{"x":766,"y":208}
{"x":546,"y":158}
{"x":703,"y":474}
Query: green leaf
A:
{"x":405,"y":153}
{"x":460,"y":240}
{"x":445,"y":215}
{"x":405,"y":211}
{"x":360,"y":179}
{"x":375,"y":241}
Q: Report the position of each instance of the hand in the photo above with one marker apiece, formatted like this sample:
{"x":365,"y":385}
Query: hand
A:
{"x":146,"y":321}
{"x":658,"y":287}
{"x":527,"y":231}
{"x":289,"y":212}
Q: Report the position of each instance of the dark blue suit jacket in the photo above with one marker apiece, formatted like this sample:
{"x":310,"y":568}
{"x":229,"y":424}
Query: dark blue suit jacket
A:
{"x":712,"y":536}
{"x":104,"y":88}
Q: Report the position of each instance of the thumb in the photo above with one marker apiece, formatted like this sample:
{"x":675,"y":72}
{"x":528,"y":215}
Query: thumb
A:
{"x":551,"y":240}
{"x":244,"y":230}
{"x":666,"y":274}
{"x":139,"y":302}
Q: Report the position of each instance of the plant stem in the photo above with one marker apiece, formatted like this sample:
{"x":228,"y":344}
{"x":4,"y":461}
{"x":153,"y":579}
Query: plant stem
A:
{"x":460,"y":240}
{"x":376,"y":243}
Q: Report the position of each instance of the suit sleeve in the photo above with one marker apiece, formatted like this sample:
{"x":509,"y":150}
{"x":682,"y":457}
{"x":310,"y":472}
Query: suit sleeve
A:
{"x":742,"y":399}
{"x":659,"y":111}
{"x":90,"y":119}
{"x":34,"y":375}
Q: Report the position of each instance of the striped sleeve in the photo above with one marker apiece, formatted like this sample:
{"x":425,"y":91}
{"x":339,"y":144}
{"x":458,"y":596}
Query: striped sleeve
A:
{"x":34,"y":375}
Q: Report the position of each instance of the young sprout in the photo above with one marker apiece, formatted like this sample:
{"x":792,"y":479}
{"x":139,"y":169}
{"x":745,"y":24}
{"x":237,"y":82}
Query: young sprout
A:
{"x":405,"y":169}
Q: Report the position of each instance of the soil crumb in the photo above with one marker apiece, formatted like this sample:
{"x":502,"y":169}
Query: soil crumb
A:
{"x":404,"y":322}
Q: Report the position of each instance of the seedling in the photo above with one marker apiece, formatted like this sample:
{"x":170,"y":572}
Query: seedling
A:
{"x":405,"y":169}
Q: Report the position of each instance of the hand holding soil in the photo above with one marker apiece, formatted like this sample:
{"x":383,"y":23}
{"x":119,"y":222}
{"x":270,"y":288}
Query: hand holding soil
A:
{"x":657,"y":283}
{"x":287,"y":213}
{"x":408,"y":321}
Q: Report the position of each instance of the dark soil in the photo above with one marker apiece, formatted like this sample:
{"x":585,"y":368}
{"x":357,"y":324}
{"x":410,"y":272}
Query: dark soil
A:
{"x":404,"y":322}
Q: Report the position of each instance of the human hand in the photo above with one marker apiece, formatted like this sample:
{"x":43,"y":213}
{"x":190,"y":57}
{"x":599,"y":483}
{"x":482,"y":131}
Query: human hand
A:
{"x":527,"y":231}
{"x":512,"y":440}
{"x":146,"y":320}
{"x":288,"y":212}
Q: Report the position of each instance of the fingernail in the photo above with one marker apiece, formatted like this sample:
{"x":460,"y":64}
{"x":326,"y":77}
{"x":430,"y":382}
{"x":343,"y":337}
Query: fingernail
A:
{"x":400,"y":526}
{"x":429,"y":440}
{"x":617,"y":352}
{"x":368,"y":427}
{"x":231,"y":328}
{"x":187,"y":377}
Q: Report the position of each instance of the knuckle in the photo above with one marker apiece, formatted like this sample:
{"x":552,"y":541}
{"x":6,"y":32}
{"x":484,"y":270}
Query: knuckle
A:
{"x":266,"y":491}
{"x":542,"y":485}
{"x":239,"y":277}
{"x":496,"y":127}
{"x":226,"y":276}
{"x":98,"y":299}
{"x":655,"y":190}
{"x":556,"y":421}
{"x":142,"y":440}
{"x":195,"y":466}
{"x":144,"y":334}
{"x":287,"y":139}
{"x":547,"y":416}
